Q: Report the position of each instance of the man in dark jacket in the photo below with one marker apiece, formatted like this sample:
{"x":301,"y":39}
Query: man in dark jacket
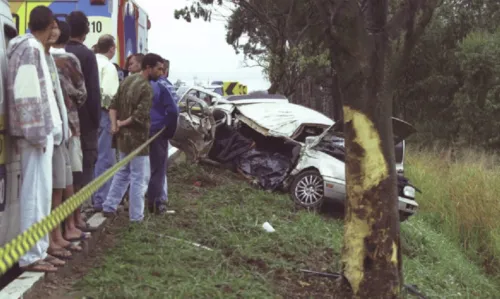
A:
{"x":89,"y":114}
{"x":165,"y":82}
{"x":164,"y":114}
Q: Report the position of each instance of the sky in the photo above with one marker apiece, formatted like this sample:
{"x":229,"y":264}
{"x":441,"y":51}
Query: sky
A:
{"x":197,"y":49}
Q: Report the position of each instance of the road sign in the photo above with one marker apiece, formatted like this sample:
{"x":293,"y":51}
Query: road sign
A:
{"x":243,"y":89}
{"x":230,"y":88}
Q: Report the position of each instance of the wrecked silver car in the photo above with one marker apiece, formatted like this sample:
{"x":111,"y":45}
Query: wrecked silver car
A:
{"x":277,"y":145}
{"x":319,"y":174}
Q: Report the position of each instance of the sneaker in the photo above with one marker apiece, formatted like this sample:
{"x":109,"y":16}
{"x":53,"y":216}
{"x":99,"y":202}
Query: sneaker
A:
{"x":113,"y":214}
{"x":110,"y":214}
{"x":161,"y":209}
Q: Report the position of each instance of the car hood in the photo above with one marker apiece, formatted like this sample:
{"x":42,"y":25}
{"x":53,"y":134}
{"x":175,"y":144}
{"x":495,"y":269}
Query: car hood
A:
{"x":222,"y":101}
{"x":280,"y":119}
{"x":401,"y":129}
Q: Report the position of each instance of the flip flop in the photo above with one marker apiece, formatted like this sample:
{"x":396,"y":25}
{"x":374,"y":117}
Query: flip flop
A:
{"x":54,"y":261}
{"x":60,"y":253}
{"x":83,"y":236}
{"x":73,"y":248}
{"x":87,"y":228}
{"x":40,"y":266}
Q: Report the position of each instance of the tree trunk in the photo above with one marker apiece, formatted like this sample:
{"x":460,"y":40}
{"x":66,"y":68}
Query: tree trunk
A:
{"x":371,"y":255}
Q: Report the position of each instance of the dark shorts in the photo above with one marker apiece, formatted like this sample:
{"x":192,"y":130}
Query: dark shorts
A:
{"x":89,"y":150}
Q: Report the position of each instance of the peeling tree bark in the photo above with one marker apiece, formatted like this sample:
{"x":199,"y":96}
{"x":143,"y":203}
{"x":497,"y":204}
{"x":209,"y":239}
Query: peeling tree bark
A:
{"x":371,"y":255}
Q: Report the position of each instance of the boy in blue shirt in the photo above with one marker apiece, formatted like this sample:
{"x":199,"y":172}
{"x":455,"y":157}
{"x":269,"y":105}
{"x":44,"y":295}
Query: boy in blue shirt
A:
{"x":164,"y":114}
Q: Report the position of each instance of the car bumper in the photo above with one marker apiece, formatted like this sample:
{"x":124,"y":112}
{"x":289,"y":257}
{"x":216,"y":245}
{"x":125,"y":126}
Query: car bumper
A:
{"x":407,"y":205}
{"x":335,"y":190}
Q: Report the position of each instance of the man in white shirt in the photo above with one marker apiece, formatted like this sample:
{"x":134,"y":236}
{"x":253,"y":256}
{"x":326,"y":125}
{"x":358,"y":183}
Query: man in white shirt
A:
{"x":105,"y":49}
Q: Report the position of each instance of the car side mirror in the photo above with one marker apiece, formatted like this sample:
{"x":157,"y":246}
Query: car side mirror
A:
{"x":310,"y":140}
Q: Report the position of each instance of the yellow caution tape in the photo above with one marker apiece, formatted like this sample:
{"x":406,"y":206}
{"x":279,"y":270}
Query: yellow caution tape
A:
{"x":19,"y":246}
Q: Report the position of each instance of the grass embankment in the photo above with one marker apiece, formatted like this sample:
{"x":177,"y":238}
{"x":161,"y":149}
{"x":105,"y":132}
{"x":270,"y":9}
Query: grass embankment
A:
{"x":226,"y":214}
{"x":461,"y":199}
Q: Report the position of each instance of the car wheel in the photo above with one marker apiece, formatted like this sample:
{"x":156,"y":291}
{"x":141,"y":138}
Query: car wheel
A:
{"x":307,"y":189}
{"x":403,"y":216}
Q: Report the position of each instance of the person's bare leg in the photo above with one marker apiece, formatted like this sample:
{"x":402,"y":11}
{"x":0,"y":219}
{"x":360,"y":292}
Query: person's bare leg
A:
{"x":77,"y":215}
{"x":80,"y":222}
{"x":70,"y":229}
{"x":57,"y":243}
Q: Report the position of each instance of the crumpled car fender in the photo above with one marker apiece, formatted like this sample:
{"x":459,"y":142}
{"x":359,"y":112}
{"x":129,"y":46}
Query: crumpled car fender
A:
{"x":195,"y":132}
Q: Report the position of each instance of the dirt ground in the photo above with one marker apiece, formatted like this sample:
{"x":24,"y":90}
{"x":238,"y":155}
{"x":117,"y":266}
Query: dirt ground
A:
{"x":59,"y":285}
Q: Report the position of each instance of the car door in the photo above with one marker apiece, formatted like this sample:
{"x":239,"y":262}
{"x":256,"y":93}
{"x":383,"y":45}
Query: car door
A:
{"x":195,"y":132}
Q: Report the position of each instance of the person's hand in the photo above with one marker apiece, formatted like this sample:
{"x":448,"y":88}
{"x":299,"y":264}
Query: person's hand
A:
{"x":114,"y":128}
{"x":120,"y":123}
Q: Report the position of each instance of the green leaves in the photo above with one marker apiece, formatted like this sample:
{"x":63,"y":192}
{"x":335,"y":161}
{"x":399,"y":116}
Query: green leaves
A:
{"x":198,"y":9}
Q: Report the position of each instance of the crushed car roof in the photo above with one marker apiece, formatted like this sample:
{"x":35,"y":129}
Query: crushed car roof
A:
{"x":282,"y":119}
{"x":256,"y":96}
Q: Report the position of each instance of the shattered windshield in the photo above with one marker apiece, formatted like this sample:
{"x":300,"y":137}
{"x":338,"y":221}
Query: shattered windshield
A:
{"x":332,"y":144}
{"x":182,"y":90}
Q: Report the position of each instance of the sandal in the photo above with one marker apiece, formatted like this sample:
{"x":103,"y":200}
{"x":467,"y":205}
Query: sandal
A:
{"x":73,"y":248}
{"x":40,"y":266}
{"x":54,"y":261}
{"x":60,"y":253}
{"x":83,"y":236}
{"x":87,"y":228}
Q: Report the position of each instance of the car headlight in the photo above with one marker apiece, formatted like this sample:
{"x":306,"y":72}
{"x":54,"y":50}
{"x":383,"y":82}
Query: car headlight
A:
{"x":409,"y":192}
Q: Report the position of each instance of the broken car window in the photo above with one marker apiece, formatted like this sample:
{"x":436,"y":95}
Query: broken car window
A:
{"x":332,"y":144}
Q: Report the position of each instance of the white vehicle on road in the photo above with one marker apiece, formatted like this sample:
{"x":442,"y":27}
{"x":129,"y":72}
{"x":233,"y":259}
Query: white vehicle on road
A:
{"x":319,"y":174}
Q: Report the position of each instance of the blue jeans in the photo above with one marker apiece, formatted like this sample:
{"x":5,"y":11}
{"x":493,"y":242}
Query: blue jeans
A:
{"x":106,"y":158}
{"x":136,"y":173}
{"x":157,"y":188}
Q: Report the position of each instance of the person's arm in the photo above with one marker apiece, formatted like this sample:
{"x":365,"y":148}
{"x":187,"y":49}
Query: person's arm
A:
{"x":91,"y":73}
{"x":110,"y":83}
{"x":140,"y":114}
{"x":114,"y":124}
{"x":27,"y":80}
{"x":113,"y":112}
{"x":170,"y":87}
{"x":172,"y":113}
{"x":124,"y":123}
{"x":77,"y":91}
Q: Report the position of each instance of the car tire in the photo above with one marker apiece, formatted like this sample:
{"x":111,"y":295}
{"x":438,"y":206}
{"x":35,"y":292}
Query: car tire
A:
{"x":307,"y":190}
{"x":403,"y":216}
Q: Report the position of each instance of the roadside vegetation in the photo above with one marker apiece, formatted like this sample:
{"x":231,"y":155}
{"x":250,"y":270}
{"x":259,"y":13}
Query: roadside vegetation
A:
{"x":460,"y":200}
{"x":224,"y":213}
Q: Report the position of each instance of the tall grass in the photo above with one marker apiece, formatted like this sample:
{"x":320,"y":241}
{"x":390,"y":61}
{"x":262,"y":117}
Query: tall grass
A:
{"x":460,"y":198}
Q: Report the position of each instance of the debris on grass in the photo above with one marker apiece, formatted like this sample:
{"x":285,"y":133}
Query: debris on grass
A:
{"x":185,"y":241}
{"x":268,"y":227}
